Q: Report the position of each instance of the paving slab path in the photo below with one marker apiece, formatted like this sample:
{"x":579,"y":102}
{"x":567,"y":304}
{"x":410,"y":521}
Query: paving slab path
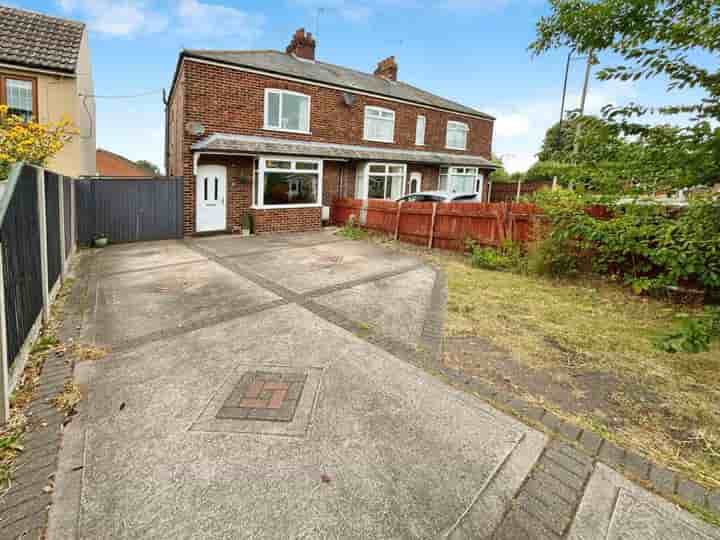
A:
{"x":257,"y":388}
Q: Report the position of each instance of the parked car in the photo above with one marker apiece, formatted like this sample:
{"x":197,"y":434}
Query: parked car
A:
{"x":441,"y":196}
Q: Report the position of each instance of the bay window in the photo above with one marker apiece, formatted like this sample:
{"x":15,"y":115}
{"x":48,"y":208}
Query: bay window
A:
{"x":461,"y":180}
{"x":283,"y":182}
{"x":287,"y":111}
{"x":379,"y":124}
{"x":380,"y":181}
{"x":457,"y":133}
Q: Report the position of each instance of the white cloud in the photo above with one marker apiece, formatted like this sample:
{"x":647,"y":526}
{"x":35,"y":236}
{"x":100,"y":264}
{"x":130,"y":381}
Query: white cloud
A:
{"x":117,"y":17}
{"x":202,"y":19}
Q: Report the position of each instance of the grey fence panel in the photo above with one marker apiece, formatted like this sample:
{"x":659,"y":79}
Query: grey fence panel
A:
{"x":130,"y":210}
{"x":52,"y":215}
{"x":67,"y":209}
{"x":21,"y":260}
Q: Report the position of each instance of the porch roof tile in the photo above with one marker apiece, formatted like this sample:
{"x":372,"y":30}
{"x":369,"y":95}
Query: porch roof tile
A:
{"x":220,"y":142}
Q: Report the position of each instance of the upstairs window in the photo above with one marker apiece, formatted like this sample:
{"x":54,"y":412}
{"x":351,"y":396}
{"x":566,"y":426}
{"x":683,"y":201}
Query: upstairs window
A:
{"x":19,"y":96}
{"x":379,"y":124}
{"x":457,"y":133}
{"x":287,"y":111}
{"x":420,"y":131}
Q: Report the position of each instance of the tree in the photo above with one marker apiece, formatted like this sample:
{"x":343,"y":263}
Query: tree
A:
{"x":499,"y":174}
{"x":558,"y":142}
{"x":30,"y":141}
{"x":153,"y":169}
{"x":653,"y":38}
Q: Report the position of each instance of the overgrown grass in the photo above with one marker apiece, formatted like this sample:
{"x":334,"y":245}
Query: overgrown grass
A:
{"x":593,"y":326}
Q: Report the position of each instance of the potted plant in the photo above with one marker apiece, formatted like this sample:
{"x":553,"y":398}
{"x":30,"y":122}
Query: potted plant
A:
{"x":247,"y":224}
{"x":100,"y":240}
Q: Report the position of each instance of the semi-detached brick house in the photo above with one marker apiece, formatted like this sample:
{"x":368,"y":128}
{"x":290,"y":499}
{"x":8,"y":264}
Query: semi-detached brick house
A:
{"x":280,"y":135}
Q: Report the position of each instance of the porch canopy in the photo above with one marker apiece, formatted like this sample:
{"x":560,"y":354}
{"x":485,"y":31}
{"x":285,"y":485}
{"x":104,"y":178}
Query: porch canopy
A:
{"x":250,"y":145}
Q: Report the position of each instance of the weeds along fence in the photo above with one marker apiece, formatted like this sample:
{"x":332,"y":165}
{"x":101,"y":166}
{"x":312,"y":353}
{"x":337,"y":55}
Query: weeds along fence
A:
{"x":37,"y":239}
{"x":441,"y":225}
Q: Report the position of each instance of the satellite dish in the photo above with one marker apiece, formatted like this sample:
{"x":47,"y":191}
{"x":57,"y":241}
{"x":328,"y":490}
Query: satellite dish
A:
{"x":349,"y":98}
{"x":195,"y":128}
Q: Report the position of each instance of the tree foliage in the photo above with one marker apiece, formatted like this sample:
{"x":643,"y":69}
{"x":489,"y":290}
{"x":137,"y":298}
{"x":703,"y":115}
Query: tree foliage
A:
{"x":30,"y":141}
{"x":152,"y":169}
{"x":647,"y":246}
{"x":621,"y":157}
{"x":673,"y":38}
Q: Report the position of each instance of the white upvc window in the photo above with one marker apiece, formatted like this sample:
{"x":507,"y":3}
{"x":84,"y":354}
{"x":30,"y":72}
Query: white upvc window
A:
{"x":457,"y":134}
{"x":381,"y":181}
{"x":287,"y":182}
{"x":420,"y":130}
{"x":461,"y":180}
{"x":379,"y":124}
{"x":287,"y":111}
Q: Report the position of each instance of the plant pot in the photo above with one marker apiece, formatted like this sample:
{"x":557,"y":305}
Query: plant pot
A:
{"x":100,"y":241}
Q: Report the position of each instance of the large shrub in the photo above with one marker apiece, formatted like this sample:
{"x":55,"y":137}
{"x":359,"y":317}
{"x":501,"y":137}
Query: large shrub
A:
{"x":30,"y":141}
{"x":648,"y":246}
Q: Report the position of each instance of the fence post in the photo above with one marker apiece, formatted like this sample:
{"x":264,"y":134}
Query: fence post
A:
{"x":363,"y":212}
{"x":73,"y":216}
{"x":42,"y":221}
{"x":517,"y":196}
{"x":4,"y":371}
{"x":397,"y":220}
{"x":432,"y":225}
{"x":61,"y":211}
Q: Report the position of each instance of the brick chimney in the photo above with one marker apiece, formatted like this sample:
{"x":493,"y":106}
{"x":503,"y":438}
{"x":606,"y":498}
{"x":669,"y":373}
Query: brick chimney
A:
{"x":302,"y":45}
{"x":387,"y":69}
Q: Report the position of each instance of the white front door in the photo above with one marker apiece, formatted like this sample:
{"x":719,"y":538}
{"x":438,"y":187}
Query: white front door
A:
{"x":415,"y":182}
{"x":210,"y":195}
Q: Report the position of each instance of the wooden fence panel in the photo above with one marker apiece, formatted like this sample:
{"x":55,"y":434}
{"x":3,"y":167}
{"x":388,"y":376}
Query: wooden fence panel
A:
{"x":488,"y":224}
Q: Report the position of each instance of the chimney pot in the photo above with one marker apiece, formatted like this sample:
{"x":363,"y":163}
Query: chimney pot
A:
{"x":387,"y":69}
{"x":302,"y":45}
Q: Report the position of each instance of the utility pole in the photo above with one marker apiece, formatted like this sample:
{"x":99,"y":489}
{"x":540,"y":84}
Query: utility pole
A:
{"x":583,"y":96}
{"x":558,"y":144}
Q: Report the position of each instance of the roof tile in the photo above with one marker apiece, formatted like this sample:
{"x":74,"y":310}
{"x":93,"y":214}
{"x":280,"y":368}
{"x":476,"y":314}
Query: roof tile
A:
{"x":35,"y":40}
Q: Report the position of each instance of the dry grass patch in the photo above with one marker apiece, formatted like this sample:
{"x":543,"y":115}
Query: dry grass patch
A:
{"x":70,"y":397}
{"x":663,"y":405}
{"x":87,"y":353}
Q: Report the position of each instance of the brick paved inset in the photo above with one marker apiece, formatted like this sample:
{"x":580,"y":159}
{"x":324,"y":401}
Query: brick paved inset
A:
{"x":263,"y":395}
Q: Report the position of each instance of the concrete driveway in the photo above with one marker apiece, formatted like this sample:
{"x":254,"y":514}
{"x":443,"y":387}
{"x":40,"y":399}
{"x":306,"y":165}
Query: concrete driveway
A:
{"x":252,"y":390}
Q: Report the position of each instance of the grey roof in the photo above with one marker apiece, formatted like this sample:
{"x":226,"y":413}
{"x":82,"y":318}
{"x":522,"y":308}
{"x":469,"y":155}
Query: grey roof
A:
{"x":32,"y":39}
{"x":286,"y":64}
{"x":220,"y":142}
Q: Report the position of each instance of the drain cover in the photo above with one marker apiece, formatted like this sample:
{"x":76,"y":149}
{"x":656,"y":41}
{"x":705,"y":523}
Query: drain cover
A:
{"x":264,"y":395}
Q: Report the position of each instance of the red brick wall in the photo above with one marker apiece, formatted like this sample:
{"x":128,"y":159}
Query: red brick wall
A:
{"x":286,"y":220}
{"x":225,"y":100}
{"x":110,"y":164}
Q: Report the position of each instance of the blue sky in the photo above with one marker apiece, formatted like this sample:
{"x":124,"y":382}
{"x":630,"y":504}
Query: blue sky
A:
{"x":473,"y":51}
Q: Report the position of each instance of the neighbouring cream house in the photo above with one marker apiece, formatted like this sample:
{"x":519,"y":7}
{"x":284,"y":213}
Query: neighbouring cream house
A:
{"x":45,"y":74}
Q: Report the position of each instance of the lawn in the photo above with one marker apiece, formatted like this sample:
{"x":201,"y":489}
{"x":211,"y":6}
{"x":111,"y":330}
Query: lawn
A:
{"x":584,"y":349}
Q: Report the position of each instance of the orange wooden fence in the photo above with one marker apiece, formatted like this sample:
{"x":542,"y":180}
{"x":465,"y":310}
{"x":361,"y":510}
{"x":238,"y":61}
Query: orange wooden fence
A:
{"x":441,"y":225}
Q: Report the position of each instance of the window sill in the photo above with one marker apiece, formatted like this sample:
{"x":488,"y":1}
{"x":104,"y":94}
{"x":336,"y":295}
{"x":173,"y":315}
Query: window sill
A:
{"x":455,"y":148}
{"x":281,"y":130}
{"x":378,"y":140}
{"x":285,"y":206}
